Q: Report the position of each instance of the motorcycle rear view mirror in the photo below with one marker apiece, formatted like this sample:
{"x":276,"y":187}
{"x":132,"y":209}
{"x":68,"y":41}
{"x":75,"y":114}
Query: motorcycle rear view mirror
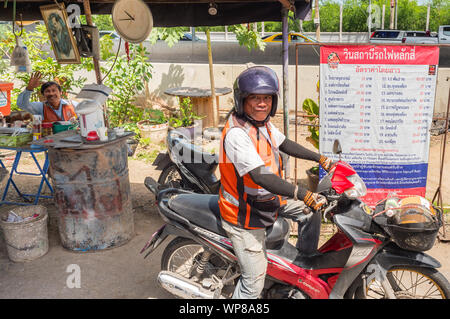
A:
{"x":337,"y":149}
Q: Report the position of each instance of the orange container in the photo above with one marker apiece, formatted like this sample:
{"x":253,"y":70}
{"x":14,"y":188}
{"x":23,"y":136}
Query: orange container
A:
{"x":5,"y":97}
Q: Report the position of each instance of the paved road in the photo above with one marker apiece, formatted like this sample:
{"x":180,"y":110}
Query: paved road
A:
{"x":232,"y":53}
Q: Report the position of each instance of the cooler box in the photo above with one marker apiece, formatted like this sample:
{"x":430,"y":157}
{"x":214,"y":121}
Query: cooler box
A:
{"x":5,"y":97}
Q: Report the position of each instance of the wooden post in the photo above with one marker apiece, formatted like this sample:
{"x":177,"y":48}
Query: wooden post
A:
{"x":87,"y":12}
{"x":317,"y":20}
{"x":211,"y":78}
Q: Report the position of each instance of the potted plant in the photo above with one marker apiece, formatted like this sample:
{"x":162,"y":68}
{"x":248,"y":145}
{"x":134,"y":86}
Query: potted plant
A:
{"x":312,"y":110}
{"x":185,"y":117}
{"x":155,"y":127}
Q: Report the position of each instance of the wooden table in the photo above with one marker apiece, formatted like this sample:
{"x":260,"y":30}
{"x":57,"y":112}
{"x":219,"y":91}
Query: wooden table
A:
{"x":201,"y":100}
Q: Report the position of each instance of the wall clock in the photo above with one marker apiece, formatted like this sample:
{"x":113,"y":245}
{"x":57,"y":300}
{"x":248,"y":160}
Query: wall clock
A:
{"x":132,"y":20}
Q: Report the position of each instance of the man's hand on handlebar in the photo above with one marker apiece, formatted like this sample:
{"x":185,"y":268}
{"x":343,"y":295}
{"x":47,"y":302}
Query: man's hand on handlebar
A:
{"x":315,"y":200}
{"x":326,"y":163}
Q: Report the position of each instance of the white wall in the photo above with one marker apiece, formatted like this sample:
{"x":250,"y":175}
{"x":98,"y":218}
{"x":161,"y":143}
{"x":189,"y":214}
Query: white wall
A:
{"x":197,"y":75}
{"x":167,"y":75}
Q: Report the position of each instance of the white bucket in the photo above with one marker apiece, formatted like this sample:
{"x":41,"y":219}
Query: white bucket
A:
{"x":26,"y":240}
{"x":90,"y":114}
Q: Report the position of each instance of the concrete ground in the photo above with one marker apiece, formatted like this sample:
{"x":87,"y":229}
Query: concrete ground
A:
{"x":122,"y":272}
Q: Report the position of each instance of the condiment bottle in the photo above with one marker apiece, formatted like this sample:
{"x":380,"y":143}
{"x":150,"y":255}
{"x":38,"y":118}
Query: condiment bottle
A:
{"x":37,"y":127}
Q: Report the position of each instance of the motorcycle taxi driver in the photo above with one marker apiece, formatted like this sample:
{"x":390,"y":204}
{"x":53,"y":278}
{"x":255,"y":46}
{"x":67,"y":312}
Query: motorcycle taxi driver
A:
{"x":253,"y":190}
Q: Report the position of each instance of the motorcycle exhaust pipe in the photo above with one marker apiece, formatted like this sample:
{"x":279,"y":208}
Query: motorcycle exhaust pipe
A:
{"x":182,"y":287}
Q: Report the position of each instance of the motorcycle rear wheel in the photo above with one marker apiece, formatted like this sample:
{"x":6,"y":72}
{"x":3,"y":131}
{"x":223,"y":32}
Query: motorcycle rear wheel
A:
{"x":410,"y":283}
{"x":182,"y":256}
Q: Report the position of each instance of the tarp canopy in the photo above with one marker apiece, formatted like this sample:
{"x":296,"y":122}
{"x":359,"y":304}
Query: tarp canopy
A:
{"x":174,"y":12}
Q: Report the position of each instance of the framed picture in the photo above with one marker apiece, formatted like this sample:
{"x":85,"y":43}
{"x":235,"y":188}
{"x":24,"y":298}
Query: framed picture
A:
{"x":60,"y":34}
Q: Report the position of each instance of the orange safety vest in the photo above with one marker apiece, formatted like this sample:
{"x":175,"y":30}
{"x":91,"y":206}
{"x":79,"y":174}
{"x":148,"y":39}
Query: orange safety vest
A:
{"x":50,"y":115}
{"x":242,"y":202}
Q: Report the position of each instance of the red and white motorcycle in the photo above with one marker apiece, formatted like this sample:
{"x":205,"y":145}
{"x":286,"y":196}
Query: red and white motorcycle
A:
{"x":372,"y":255}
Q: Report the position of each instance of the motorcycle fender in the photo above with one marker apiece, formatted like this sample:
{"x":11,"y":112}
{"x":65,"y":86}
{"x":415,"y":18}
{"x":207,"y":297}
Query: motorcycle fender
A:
{"x":161,"y":161}
{"x":159,"y":236}
{"x":392,"y":256}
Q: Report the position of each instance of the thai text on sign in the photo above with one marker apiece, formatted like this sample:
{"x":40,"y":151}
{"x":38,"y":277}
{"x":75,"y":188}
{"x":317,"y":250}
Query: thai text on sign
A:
{"x":378,"y":101}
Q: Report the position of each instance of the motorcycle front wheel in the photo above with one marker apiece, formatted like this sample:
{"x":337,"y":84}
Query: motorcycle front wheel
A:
{"x":410,"y":283}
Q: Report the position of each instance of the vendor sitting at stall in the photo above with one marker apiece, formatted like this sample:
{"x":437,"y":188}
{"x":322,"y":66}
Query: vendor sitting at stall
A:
{"x":54,"y":108}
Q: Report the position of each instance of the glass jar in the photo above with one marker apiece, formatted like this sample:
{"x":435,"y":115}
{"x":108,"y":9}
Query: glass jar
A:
{"x":47,"y":128}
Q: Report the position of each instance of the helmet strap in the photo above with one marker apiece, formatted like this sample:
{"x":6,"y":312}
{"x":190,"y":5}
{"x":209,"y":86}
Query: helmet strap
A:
{"x":255,"y":122}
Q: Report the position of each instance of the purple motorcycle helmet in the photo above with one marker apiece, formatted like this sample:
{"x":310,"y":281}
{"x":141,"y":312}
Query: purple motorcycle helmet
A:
{"x":255,"y":80}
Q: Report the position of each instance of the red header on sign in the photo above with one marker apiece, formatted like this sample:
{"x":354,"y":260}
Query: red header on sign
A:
{"x":370,"y":54}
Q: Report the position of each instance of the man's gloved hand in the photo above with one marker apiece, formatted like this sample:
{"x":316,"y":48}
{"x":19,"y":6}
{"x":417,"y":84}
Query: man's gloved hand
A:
{"x":314,"y":200}
{"x":325,"y":162}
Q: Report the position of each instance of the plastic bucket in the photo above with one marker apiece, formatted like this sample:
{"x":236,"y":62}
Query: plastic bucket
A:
{"x":26,"y":240}
{"x":5,"y":97}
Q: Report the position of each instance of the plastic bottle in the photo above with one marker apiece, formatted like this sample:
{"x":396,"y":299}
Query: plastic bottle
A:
{"x":37,"y":127}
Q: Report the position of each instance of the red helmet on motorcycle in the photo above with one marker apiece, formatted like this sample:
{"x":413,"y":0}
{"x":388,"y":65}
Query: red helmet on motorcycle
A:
{"x":255,"y":80}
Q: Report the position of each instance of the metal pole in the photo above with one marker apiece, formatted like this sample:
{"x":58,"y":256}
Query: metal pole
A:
{"x":296,"y":108}
{"x":370,"y":19}
{"x":391,"y":23}
{"x":341,"y":9}
{"x":396,"y":13}
{"x":285,"y":44}
{"x":438,"y":191}
{"x":87,"y":12}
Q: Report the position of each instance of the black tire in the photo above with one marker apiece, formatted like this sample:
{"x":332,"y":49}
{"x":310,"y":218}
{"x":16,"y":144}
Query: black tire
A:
{"x":172,"y":248}
{"x":171,"y":177}
{"x":183,"y":249}
{"x":410,"y":282}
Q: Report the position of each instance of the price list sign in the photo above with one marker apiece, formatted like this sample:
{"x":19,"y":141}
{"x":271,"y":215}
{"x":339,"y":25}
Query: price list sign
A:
{"x":378,"y":101}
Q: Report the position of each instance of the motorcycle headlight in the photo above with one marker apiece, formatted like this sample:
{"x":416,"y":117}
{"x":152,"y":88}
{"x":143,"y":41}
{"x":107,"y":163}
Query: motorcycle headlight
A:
{"x":359,"y":187}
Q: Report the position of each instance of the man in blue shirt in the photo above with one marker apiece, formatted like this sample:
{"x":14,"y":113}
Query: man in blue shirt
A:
{"x":54,"y":108}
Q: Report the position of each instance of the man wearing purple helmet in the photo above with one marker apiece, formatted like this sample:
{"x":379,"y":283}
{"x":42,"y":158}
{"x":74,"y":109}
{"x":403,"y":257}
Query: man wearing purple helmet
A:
{"x":253,"y":191}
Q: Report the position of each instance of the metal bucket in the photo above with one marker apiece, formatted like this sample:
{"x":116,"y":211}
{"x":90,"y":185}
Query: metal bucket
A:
{"x":92,"y":194}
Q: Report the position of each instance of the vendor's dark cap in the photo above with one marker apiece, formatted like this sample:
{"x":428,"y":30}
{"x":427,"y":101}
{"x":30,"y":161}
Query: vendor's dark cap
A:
{"x":49,"y":83}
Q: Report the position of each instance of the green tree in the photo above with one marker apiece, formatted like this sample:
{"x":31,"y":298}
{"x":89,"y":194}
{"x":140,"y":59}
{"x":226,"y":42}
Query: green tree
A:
{"x":329,"y":13}
{"x":411,"y":16}
{"x":440,"y":14}
{"x":126,"y":79}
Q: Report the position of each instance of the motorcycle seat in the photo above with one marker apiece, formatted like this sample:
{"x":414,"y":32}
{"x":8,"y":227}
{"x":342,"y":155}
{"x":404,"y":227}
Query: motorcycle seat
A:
{"x":203,"y":210}
{"x":200,"y":209}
